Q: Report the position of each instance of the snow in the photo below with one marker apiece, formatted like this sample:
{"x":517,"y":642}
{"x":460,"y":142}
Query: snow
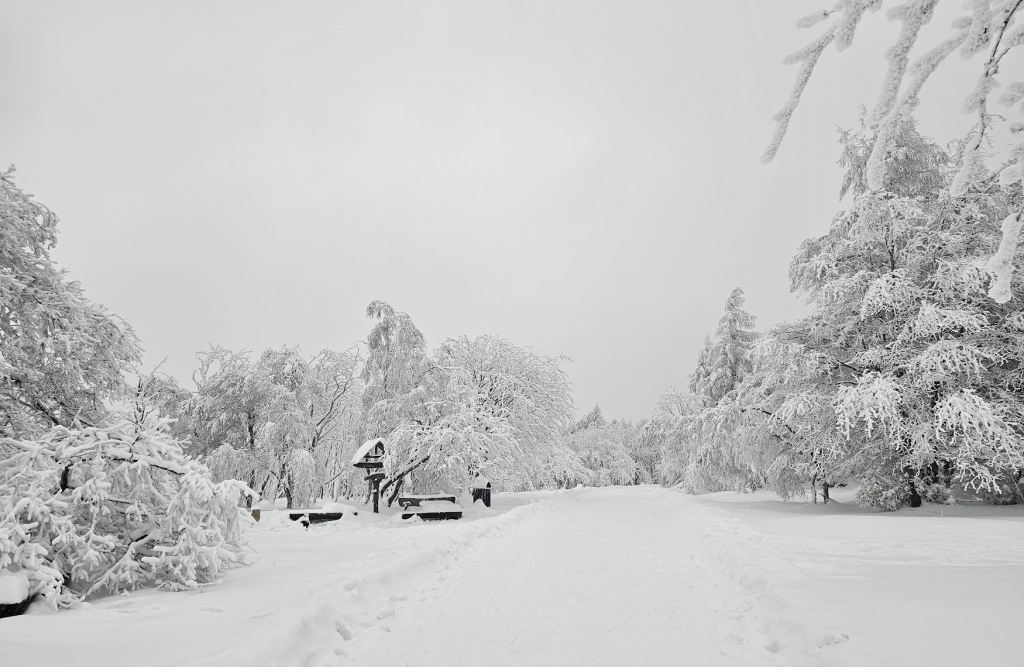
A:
{"x":610,"y":576}
{"x":428,"y":506}
{"x":338,"y":507}
{"x":13,"y":587}
{"x":365,"y":449}
{"x":1001,"y":264}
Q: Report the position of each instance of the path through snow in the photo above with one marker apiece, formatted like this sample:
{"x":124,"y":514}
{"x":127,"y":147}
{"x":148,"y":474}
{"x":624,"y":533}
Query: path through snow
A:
{"x":615,"y":576}
{"x":600,"y":577}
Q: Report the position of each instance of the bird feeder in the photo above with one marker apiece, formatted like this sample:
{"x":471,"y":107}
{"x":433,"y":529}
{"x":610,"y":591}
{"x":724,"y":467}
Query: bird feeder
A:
{"x":370,"y":457}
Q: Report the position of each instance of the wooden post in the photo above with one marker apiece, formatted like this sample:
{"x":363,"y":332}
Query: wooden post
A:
{"x":369,"y":457}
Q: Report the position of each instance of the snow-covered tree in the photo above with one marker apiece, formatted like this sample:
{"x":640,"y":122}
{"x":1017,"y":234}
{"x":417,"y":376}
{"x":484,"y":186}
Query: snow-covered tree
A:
{"x":62,"y":357}
{"x":607,"y":454}
{"x":645,"y":453}
{"x":592,"y":419}
{"x":905,"y":376}
{"x":666,"y":430}
{"x":728,"y":360}
{"x":703,"y":369}
{"x":692,"y":455}
{"x":987,"y":32}
{"x":111,"y":508}
{"x":396,"y":363}
{"x":283,"y":424}
{"x":482,"y":406}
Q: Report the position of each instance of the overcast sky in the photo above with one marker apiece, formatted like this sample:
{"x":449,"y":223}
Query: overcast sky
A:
{"x":581,"y":177}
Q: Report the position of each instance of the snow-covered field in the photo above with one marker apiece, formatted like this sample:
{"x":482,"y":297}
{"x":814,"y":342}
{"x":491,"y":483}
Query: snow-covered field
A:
{"x":614,"y":576}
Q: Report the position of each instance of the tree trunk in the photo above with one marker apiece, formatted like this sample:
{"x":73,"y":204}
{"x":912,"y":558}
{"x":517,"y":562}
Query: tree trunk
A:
{"x":915,"y":497}
{"x":394,"y":494}
{"x":401,"y":476}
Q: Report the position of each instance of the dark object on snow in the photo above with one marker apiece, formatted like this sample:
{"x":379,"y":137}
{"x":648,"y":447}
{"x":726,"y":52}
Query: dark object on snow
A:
{"x":483,"y":493}
{"x":375,"y":478}
{"x":15,"y":609}
{"x":435,"y":516}
{"x":915,"y":497}
{"x":439,"y":508}
{"x":306,"y":518}
{"x":256,"y":514}
{"x":440,"y":515}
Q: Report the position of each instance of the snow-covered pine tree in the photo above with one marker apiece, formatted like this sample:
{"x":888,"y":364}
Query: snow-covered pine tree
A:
{"x":694,"y":455}
{"x":593,"y":419}
{"x":729,"y":361}
{"x":702,"y":371}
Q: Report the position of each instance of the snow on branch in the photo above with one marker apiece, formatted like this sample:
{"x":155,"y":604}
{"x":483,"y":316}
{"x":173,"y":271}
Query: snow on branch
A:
{"x":808,"y":58}
{"x":1001,"y":264}
{"x":847,"y":15}
{"x":981,"y":441}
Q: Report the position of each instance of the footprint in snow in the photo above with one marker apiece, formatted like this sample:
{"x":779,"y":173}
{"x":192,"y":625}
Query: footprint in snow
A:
{"x":343,"y":630}
{"x":832,"y":639}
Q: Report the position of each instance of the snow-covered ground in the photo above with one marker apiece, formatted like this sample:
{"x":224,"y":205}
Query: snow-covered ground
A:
{"x":616,"y":576}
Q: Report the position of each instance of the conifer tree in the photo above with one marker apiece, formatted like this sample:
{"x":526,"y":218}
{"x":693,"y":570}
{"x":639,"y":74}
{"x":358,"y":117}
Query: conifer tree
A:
{"x":730,"y":355}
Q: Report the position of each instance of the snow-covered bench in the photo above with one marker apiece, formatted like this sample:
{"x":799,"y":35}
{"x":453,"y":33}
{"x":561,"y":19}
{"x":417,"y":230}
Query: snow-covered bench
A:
{"x":430,"y":507}
{"x":408,"y":501}
{"x":329,"y":512}
{"x":14,"y":597}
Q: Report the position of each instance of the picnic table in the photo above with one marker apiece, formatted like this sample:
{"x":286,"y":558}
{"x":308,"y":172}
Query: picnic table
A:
{"x":430,"y":507}
{"x":329,"y":512}
{"x":413,"y":500}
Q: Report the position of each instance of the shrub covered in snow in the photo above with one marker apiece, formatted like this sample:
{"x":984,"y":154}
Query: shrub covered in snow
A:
{"x":91,"y":510}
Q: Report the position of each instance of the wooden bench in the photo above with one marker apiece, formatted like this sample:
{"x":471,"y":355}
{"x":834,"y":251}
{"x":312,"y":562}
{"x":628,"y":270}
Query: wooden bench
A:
{"x":405,"y":502}
{"x":306,"y":518}
{"x":431,"y":508}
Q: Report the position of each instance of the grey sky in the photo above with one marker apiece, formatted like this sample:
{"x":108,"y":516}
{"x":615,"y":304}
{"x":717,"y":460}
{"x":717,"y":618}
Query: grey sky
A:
{"x":581,"y":177}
